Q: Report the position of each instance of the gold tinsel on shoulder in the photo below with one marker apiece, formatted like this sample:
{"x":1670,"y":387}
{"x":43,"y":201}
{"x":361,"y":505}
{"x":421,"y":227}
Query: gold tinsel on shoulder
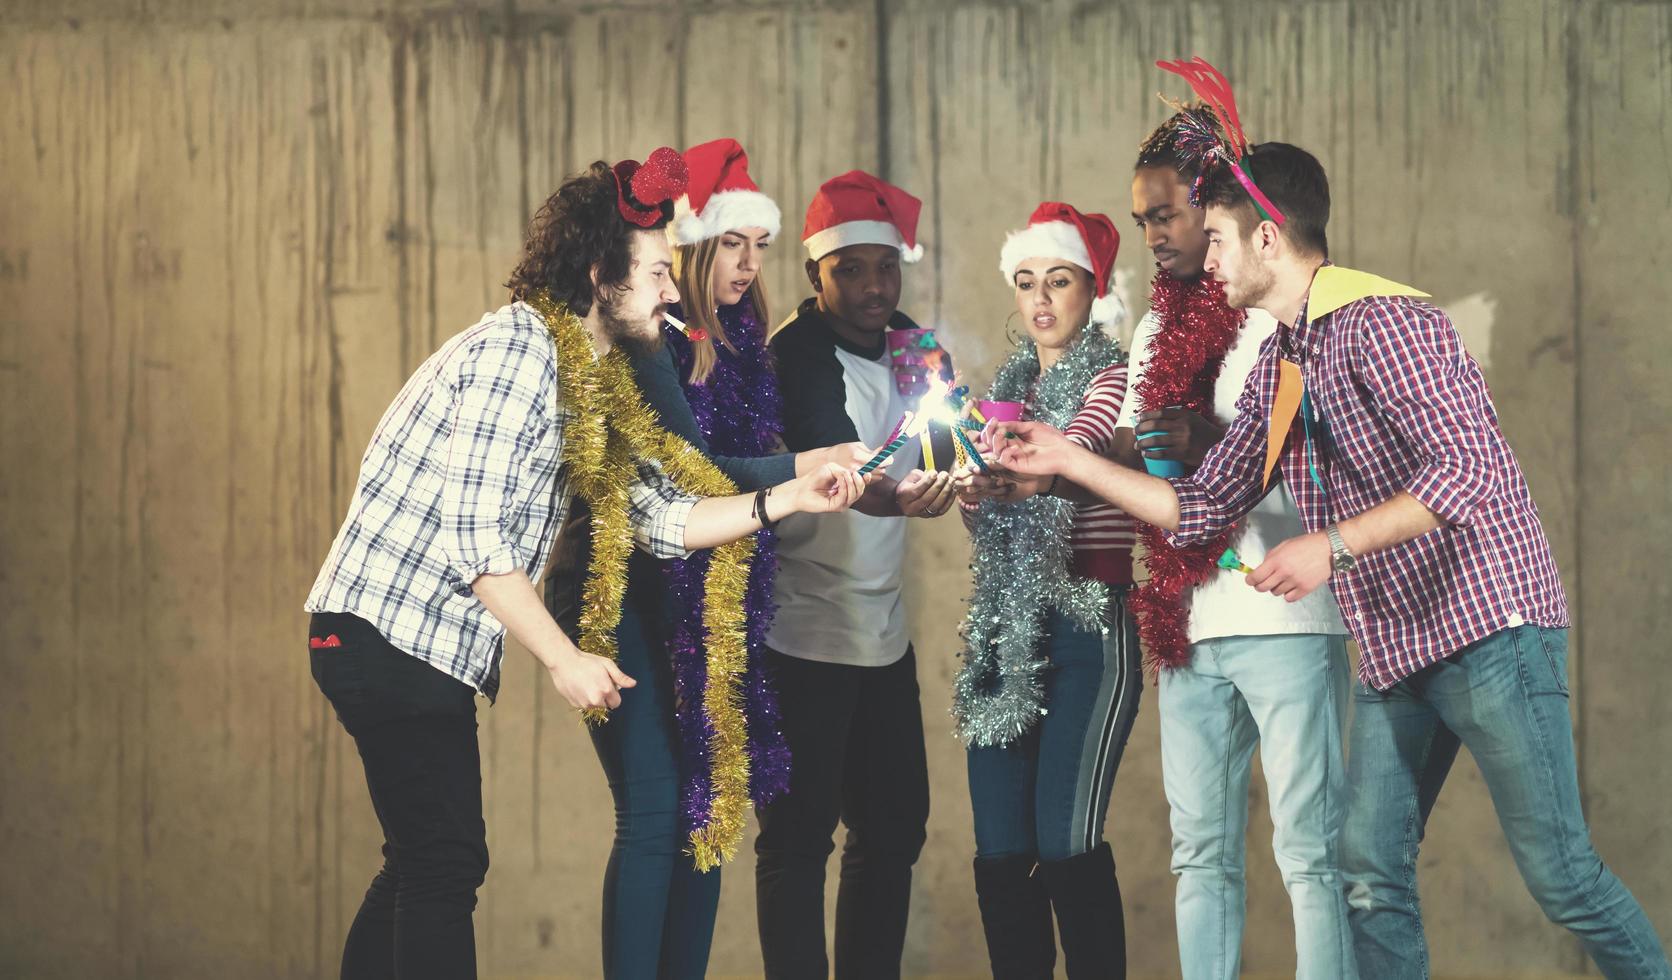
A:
{"x":610,"y":428}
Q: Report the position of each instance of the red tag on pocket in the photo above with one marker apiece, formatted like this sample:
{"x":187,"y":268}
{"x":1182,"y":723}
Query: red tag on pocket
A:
{"x":315,"y":643}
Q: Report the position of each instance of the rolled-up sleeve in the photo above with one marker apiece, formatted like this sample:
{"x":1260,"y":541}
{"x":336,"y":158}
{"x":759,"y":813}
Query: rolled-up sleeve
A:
{"x":497,"y":414}
{"x":660,"y":512}
{"x":1412,"y":360}
{"x":1229,"y":482}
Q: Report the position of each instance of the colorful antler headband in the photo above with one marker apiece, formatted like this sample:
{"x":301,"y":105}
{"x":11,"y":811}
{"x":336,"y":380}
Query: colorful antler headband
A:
{"x":1198,"y":140}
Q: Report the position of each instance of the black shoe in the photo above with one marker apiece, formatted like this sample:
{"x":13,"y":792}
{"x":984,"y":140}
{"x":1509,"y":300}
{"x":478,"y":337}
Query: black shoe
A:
{"x":1016,"y":916}
{"x":1086,"y":898}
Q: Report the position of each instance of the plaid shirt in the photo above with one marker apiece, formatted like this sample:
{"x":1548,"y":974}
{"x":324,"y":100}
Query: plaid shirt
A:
{"x":1398,"y":404}
{"x":464,"y":477}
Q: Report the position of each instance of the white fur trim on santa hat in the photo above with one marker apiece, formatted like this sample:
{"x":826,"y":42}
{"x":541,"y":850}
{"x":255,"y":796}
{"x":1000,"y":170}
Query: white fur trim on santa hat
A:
{"x":723,"y":212}
{"x":822,"y":243}
{"x":1046,"y":240}
{"x":1109,"y":312}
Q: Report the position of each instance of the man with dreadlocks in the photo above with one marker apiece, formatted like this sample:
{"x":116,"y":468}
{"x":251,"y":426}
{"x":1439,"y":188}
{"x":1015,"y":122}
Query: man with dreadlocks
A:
{"x":1418,"y":515}
{"x":1237,"y":667}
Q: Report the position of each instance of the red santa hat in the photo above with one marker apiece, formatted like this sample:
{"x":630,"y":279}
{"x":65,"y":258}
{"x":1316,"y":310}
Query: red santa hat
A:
{"x":1090,"y":241}
{"x":859,"y":209}
{"x":720,"y":196}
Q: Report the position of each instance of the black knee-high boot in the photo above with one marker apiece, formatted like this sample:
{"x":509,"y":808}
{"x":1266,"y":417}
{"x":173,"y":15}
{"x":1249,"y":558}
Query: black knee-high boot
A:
{"x":1086,"y":898}
{"x":1016,"y":916}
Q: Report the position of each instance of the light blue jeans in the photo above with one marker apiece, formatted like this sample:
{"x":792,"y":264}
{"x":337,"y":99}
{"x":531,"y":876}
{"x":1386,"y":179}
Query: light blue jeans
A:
{"x":1288,"y":694}
{"x":1506,"y":698}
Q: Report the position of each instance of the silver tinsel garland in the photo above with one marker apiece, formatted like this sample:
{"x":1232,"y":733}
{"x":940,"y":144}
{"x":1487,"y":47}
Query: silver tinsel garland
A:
{"x":1022,"y":555}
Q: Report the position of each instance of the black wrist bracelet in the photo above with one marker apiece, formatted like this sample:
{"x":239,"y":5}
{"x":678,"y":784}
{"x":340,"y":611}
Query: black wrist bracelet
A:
{"x":758,"y":510}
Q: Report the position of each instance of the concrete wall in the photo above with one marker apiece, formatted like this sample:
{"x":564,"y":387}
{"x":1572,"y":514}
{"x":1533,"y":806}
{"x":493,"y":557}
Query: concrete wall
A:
{"x":229,"y":230}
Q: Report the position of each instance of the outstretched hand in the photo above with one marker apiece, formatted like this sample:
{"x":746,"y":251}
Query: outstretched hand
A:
{"x":923,"y":494}
{"x":828,"y":489}
{"x":1002,"y":485}
{"x":1029,"y":448}
{"x":850,"y":455}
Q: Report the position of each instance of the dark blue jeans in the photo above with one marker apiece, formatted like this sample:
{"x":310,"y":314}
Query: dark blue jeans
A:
{"x":1506,"y":699}
{"x":658,"y":909}
{"x":415,"y":727}
{"x":1046,"y":794}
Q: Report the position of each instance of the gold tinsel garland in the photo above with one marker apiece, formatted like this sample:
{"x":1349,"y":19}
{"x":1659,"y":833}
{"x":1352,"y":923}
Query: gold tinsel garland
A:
{"x":609,"y":427}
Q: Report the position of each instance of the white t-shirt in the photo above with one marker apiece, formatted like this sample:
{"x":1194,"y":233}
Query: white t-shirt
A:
{"x":1226,"y":605}
{"x":839,"y":575}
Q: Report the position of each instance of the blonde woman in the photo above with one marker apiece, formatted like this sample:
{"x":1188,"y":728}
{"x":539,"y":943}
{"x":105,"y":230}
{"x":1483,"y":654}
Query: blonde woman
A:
{"x":712,"y":384}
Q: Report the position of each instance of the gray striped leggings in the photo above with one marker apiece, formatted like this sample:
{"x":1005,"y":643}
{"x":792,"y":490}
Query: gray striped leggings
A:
{"x":1046,"y":794}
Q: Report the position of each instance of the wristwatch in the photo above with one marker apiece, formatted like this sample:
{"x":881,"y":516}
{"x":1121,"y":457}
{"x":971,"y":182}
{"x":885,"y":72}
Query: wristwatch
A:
{"x":1341,"y":559}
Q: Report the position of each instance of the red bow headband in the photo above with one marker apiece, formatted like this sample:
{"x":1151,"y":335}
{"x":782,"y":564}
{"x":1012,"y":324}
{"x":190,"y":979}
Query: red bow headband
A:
{"x":642,"y":189}
{"x":1198,"y":140}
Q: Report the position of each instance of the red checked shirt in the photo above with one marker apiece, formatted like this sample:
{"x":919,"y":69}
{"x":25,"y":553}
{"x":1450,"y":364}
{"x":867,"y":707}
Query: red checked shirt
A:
{"x":1398,"y":404}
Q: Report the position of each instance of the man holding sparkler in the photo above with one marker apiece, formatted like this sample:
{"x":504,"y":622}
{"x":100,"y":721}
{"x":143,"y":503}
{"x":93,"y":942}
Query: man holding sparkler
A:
{"x":840,"y":651}
{"x":458,"y":505}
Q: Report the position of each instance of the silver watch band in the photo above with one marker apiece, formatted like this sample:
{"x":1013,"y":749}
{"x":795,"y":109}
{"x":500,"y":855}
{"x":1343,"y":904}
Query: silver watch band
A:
{"x":1341,"y":556}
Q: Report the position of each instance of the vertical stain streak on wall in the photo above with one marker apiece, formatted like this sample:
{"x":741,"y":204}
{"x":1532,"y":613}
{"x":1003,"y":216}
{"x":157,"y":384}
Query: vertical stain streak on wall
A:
{"x":400,"y":231}
{"x":939,"y":243}
{"x":1570,"y":205}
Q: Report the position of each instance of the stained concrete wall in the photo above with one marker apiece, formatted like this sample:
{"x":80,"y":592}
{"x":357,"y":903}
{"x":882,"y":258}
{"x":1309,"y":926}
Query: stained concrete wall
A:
{"x":229,"y":230}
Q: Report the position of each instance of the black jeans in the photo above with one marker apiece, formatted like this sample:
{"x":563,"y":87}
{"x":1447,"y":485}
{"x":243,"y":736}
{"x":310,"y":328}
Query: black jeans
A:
{"x":856,"y":738}
{"x":415,"y":728}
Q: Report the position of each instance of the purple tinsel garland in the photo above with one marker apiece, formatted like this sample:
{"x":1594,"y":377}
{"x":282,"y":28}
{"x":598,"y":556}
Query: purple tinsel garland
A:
{"x":737,"y":410}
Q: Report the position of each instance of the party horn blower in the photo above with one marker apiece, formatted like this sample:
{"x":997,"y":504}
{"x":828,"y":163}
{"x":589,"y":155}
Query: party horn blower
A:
{"x":969,"y":447}
{"x":901,"y":435}
{"x":1232,"y":563}
{"x":678,"y":324}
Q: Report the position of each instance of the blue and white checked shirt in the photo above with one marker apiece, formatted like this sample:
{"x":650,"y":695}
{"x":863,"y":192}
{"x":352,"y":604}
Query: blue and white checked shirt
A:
{"x":464,"y":477}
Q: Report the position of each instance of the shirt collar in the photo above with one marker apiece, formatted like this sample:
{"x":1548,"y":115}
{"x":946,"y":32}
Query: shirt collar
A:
{"x":1306,"y":337}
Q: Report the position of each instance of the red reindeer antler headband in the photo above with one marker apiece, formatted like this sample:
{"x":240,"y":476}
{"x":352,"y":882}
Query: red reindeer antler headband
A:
{"x":1196,"y":138}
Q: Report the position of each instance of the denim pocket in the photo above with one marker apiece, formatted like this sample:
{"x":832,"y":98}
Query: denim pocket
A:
{"x":1554,"y":644}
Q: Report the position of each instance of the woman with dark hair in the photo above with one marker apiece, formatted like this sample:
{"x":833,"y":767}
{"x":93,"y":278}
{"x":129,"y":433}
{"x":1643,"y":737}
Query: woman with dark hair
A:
{"x":1052,"y":672}
{"x":459,"y":497}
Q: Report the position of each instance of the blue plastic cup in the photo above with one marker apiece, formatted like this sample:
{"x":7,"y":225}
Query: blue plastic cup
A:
{"x":1165,"y":468}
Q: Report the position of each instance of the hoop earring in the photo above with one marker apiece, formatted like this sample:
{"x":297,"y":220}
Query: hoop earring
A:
{"x":1009,"y":333}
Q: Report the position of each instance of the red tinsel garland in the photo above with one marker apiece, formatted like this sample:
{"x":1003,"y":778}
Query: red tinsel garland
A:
{"x":1185,"y":355}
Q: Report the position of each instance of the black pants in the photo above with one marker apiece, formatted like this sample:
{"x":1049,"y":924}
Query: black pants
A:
{"x":856,"y":738}
{"x":415,"y":728}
